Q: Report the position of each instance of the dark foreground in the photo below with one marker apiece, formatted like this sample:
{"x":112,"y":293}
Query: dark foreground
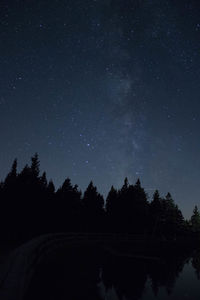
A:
{"x":88,"y":266}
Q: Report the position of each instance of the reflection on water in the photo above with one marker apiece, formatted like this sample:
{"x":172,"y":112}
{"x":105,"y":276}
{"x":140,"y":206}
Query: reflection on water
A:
{"x":89,"y":273}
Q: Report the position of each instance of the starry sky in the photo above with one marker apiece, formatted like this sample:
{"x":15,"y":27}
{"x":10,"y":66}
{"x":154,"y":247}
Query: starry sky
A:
{"x":103,"y":89}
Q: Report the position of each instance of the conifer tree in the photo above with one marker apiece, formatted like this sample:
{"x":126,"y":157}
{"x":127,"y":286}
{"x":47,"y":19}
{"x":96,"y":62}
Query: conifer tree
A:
{"x":43,"y":180}
{"x":195,"y":220}
{"x":112,"y":210}
{"x":111,"y":201}
{"x":35,"y":165}
{"x":69,"y":193}
{"x":155,"y":213}
{"x":51,"y":187}
{"x":93,"y":208}
{"x":92,"y":200}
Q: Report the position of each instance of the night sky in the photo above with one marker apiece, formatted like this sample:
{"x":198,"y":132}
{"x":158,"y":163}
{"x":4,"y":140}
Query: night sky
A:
{"x":102,"y":90}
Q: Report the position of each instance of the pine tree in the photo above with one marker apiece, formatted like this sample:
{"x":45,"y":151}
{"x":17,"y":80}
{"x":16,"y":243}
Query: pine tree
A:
{"x":138,"y":183}
{"x":140,"y":194}
{"x":51,"y":187}
{"x":156,"y":213}
{"x":43,"y":180}
{"x":92,"y":200}
{"x":112,"y":210}
{"x":141,"y":207}
{"x":64,"y":189}
{"x":69,"y":193}
{"x":93,"y":208}
{"x":169,"y":201}
{"x":125,"y":186}
{"x":111,"y":201}
{"x":35,"y":165}
{"x":195,"y":220}
{"x":172,"y":217}
{"x":132,"y":208}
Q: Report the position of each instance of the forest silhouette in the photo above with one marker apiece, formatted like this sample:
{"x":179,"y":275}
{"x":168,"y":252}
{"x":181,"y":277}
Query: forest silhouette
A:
{"x":30,"y":206}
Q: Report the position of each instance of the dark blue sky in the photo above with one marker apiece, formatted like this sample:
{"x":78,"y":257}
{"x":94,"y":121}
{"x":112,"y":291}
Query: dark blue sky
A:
{"x":102,"y":90}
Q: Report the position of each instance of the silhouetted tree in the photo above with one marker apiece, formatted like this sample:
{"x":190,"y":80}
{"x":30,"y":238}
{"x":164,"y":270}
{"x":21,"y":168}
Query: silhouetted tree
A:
{"x":92,"y":200}
{"x":195,"y":220}
{"x":69,"y":201}
{"x":43,"y":180}
{"x":35,"y":164}
{"x":155,"y":213}
{"x":111,"y":200}
{"x":70,"y":194}
{"x":141,"y":207}
{"x":172,"y":217}
{"x":166,"y":218}
{"x":113,"y":210}
{"x":51,"y":188}
{"x":133,"y":208}
{"x":93,"y":208}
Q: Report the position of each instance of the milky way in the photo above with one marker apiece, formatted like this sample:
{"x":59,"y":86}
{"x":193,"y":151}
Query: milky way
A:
{"x":103,"y":90}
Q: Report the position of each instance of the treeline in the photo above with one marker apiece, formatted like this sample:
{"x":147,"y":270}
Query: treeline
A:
{"x":30,"y":206}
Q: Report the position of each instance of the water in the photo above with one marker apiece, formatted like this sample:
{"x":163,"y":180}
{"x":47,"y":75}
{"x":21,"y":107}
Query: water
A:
{"x":89,"y":273}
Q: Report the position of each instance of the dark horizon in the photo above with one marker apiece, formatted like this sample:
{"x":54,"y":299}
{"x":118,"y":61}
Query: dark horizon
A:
{"x":105,"y":195}
{"x":31,"y":206}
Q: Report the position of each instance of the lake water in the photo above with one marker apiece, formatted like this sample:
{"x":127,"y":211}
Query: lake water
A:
{"x":88,"y":273}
